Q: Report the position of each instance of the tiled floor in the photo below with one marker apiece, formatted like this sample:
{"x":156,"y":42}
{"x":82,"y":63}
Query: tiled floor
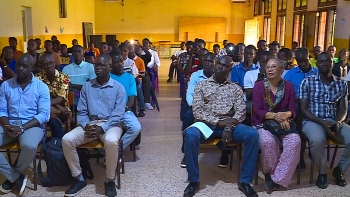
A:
{"x":157,"y":171}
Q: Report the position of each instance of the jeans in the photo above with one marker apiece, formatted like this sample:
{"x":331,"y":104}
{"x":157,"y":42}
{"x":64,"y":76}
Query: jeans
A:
{"x":242,"y":134}
{"x":133,"y":128}
{"x":140,"y":98}
{"x":56,"y":126}
{"x":187,"y":121}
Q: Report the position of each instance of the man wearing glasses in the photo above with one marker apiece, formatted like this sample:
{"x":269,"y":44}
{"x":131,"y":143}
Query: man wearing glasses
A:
{"x":101,"y":110}
{"x":58,"y":84}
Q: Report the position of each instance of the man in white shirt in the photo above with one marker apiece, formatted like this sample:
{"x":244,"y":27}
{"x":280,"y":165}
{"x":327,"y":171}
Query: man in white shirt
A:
{"x":129,"y":64}
{"x":174,"y":62}
{"x":155,"y":62}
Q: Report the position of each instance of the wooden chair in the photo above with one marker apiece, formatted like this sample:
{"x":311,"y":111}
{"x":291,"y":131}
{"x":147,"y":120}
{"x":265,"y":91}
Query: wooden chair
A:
{"x":98,"y":144}
{"x":232,"y":147}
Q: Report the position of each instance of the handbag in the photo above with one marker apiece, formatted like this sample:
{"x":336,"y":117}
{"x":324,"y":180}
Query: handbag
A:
{"x":275,"y":128}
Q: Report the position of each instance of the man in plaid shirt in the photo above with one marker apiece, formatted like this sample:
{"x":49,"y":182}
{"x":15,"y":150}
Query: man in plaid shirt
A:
{"x":324,"y":103}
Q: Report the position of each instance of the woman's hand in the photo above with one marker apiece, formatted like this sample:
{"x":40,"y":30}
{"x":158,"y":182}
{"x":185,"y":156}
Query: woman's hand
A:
{"x":285,"y":125}
{"x":282,"y":116}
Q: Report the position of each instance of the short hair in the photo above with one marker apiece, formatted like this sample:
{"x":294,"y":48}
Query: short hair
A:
{"x":115,"y":53}
{"x":267,"y":53}
{"x":124,"y":45}
{"x":201,"y":41}
{"x":302,"y":50}
{"x":75,"y":40}
{"x":251,"y":47}
{"x":5,"y":48}
{"x":37,"y":39}
{"x":63,"y":45}
{"x":189,"y":43}
{"x":287,"y":52}
{"x":47,"y":41}
{"x":31,"y":40}
{"x":325,"y":53}
{"x":78,"y":46}
{"x":260,"y":41}
{"x":56,"y":42}
{"x":53,"y":36}
{"x":240,"y":44}
{"x":330,"y":47}
{"x":146,"y":39}
{"x":183,"y":43}
{"x":216,"y":45}
{"x":275,"y":43}
{"x":295,"y":42}
{"x":13,"y":39}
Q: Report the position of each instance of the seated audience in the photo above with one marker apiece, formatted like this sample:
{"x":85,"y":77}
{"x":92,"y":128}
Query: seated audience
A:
{"x":274,"y":114}
{"x":295,"y":46}
{"x":49,"y":50}
{"x":58,"y":84}
{"x":238,"y":72}
{"x":252,"y":76}
{"x":24,"y":109}
{"x":174,"y":62}
{"x":13,"y":44}
{"x":219,"y":103}
{"x":101,"y":110}
{"x":216,"y":49}
{"x":56,"y":47}
{"x":38,"y":46}
{"x":316,"y":51}
{"x":142,"y":70}
{"x":155,"y":62}
{"x":70,"y":49}
{"x":262,"y":46}
{"x":53,"y":38}
{"x":7,"y":63}
{"x":287,"y":56}
{"x":129,"y":64}
{"x":65,"y":57}
{"x":89,"y":57}
{"x":186,"y":113}
{"x":130,"y":122}
{"x":31,"y":49}
{"x":223,"y":51}
{"x":332,"y":50}
{"x":274,"y":47}
{"x":238,"y":54}
{"x":92,"y":48}
{"x":324,"y":103}
{"x":103,"y":48}
{"x":116,"y":45}
{"x":342,"y":68}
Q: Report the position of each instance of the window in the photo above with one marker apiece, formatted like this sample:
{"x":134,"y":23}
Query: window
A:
{"x":282,"y":5}
{"x":257,"y":7}
{"x":298,"y":29}
{"x":281,"y":29}
{"x":300,"y":5}
{"x":324,"y":28}
{"x":325,"y":3}
{"x":267,"y":29}
{"x":267,"y":7}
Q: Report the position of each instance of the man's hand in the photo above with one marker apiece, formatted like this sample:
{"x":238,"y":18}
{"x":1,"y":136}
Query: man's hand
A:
{"x":2,"y":62}
{"x":93,"y":131}
{"x":12,"y":131}
{"x":223,"y":123}
{"x":326,"y":125}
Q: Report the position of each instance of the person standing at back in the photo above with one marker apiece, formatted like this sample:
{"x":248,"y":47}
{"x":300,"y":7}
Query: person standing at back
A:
{"x":174,"y":62}
{"x":342,"y":68}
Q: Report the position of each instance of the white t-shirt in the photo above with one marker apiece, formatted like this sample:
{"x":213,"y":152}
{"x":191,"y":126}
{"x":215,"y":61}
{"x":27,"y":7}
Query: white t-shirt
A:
{"x":178,"y":52}
{"x":250,"y":78}
{"x":130,"y":66}
{"x":154,"y":58}
{"x":0,"y":73}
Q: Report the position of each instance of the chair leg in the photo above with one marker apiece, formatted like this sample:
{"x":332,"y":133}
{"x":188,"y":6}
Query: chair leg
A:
{"x":118,"y":174}
{"x":35,"y":173}
{"x":334,"y":155}
{"x":298,"y":173}
{"x":328,"y":152}
{"x":312,"y":172}
{"x":231,"y":158}
{"x":133,"y":151}
{"x":257,"y":170}
{"x":9,"y":156}
{"x":239,"y":149}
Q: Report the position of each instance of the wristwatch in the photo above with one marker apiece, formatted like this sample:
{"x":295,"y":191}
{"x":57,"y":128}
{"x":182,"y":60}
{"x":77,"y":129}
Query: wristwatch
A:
{"x":5,"y":66}
{"x":21,"y":128}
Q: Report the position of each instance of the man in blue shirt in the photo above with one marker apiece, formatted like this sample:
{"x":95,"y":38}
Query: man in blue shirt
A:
{"x":101,"y":110}
{"x":7,"y":64}
{"x":24,"y":108}
{"x":303,"y":70}
{"x":130,"y":122}
{"x":238,"y":72}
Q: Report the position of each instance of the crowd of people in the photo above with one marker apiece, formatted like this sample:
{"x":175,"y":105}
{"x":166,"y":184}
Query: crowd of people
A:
{"x":268,"y":98}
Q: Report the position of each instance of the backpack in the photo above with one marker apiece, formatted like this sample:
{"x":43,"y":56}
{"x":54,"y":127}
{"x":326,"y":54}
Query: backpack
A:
{"x":58,"y":172}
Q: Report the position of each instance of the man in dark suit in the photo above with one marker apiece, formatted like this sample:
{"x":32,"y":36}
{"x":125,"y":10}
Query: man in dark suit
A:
{"x":342,"y":68}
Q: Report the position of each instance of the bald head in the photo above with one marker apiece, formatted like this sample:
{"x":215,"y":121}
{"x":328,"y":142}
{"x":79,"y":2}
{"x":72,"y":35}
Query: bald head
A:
{"x":24,"y":66}
{"x":104,"y":59}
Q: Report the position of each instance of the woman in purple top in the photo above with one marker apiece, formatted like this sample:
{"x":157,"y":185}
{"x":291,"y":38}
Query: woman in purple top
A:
{"x":274,"y":102}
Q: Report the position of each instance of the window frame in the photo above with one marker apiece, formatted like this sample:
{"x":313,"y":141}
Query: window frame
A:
{"x":278,"y":30}
{"x":283,"y":9}
{"x":300,"y":6}
{"x":328,"y":3}
{"x":257,"y":9}
{"x":267,"y":7}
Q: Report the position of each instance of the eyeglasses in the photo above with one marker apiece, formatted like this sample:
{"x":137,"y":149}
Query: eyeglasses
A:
{"x":101,"y":65}
{"x":52,"y":63}
{"x":271,"y":67}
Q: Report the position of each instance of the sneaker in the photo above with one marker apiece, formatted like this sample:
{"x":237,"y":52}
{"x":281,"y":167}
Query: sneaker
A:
{"x":6,"y":187}
{"x":21,"y":183}
{"x":137,"y":147}
{"x":148,"y":106}
{"x":183,"y":164}
{"x":75,"y":188}
{"x":110,"y":189}
{"x":169,"y":80}
{"x":141,"y":113}
{"x":223,"y":161}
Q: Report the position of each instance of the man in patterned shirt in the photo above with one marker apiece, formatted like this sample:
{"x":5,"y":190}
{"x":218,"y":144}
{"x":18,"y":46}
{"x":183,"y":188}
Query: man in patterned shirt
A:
{"x":324,"y":103}
{"x":219,"y":103}
{"x":58,"y":85}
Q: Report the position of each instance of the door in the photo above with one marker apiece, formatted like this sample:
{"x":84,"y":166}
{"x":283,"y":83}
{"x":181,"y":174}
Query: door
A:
{"x":251,"y":32}
{"x":27,"y":25}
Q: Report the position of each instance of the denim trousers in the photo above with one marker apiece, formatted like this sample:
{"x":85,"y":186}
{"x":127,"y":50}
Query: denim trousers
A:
{"x":241,"y":134}
{"x":133,"y":128}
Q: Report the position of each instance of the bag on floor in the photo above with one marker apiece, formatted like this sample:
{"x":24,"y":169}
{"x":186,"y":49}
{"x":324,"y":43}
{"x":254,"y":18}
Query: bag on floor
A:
{"x":58,"y":172}
{"x":84,"y":156}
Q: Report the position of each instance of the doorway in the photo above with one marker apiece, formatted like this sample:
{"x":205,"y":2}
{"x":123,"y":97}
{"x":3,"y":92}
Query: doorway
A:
{"x":27,"y":26}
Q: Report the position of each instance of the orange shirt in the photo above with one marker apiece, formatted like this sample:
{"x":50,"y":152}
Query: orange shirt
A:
{"x":139,"y":64}
{"x":96,"y":51}
{"x":16,"y":54}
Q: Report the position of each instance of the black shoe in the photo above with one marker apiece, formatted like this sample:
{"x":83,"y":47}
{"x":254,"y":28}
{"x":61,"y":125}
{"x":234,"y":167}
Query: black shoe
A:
{"x":339,"y":177}
{"x":6,"y":187}
{"x":169,"y":80}
{"x":223,"y":161}
{"x":141,"y":113}
{"x":302,"y":165}
{"x":247,"y":190}
{"x":270,"y":186}
{"x":110,"y":190}
{"x":75,"y":188}
{"x":183,"y":163}
{"x":21,"y":183}
{"x":322,"y":181}
{"x":191,"y":189}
